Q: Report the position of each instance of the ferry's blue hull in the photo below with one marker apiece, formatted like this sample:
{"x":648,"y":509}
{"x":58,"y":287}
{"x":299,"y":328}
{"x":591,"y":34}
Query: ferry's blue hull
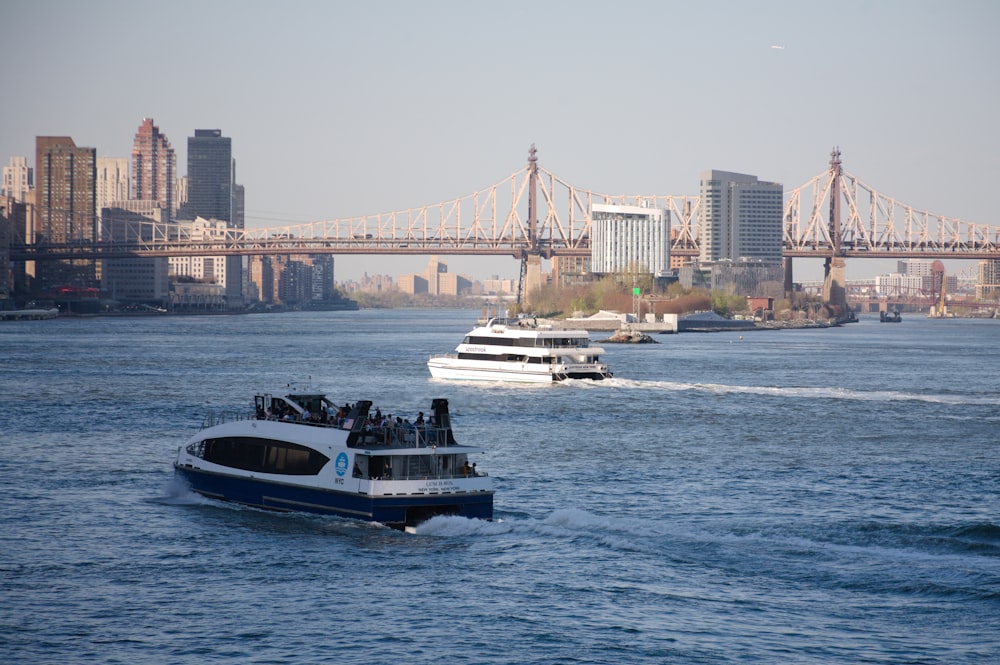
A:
{"x":395,"y":511}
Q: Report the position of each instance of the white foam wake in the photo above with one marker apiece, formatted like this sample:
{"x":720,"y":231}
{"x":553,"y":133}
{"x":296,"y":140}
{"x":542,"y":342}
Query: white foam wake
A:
{"x":810,"y":392}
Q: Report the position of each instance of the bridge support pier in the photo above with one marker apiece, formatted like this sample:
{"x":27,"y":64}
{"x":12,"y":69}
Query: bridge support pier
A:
{"x":789,"y":282}
{"x":533,"y":278}
{"x":835,"y":283}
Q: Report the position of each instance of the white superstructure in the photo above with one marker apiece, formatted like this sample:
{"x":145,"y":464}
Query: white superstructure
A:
{"x":519,"y":350}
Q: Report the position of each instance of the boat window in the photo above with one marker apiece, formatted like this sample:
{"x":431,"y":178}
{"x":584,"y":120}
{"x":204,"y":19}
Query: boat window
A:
{"x":493,"y":341}
{"x":478,"y":356}
{"x":360,"y":467}
{"x":261,"y":455}
{"x":381,"y":468}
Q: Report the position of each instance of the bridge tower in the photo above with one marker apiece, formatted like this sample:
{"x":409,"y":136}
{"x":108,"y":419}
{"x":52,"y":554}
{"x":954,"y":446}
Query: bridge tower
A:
{"x":531,"y":259}
{"x":835,"y":266}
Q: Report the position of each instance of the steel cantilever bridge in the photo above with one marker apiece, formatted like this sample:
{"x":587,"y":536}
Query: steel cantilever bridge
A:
{"x":533,"y":212}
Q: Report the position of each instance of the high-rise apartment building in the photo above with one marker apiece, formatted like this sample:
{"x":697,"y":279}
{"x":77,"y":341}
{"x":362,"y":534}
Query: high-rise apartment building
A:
{"x":18,"y":179}
{"x":210,"y":176}
{"x":741,"y":218}
{"x":67,"y":190}
{"x":154,"y":168}
{"x":65,"y":208}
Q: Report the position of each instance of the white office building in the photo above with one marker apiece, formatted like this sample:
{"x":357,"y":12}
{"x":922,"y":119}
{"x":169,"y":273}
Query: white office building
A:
{"x":203,"y":268}
{"x":923,"y":267}
{"x":226,"y":271}
{"x":112,"y":182}
{"x":18,"y":179}
{"x":900,"y":285}
{"x":624,"y":238}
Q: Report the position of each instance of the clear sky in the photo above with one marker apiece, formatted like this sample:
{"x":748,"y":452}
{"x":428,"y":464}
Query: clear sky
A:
{"x":338,"y":109}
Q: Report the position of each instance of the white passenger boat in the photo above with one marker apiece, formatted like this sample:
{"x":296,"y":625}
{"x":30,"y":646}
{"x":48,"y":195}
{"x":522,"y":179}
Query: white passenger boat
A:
{"x":298,"y":451}
{"x":520,"y":350}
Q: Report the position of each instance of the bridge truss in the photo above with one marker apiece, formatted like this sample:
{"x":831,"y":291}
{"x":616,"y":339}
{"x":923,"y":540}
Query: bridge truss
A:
{"x":875,"y":225}
{"x":534,"y":211}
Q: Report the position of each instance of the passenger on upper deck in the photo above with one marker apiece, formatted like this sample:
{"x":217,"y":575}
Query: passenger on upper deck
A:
{"x":341,"y":416}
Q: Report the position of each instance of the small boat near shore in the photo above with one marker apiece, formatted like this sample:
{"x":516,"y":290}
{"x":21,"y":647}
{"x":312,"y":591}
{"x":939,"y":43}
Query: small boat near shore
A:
{"x":520,"y":350}
{"x":298,"y":451}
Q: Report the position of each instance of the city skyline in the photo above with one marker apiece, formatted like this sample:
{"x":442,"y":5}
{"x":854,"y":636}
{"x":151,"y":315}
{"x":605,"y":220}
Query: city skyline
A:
{"x":354,"y":110}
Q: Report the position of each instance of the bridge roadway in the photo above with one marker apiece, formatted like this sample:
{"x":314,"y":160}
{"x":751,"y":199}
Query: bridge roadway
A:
{"x":534,"y":212}
{"x":375,"y":247}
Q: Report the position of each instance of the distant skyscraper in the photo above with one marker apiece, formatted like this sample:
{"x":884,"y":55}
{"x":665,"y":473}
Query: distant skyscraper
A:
{"x":210,"y":176}
{"x":112,"y":181}
{"x":65,"y":206}
{"x":239,"y":212}
{"x":154,"y":168}
{"x":741,"y":217}
{"x":182,"y":194}
{"x":18,"y":179}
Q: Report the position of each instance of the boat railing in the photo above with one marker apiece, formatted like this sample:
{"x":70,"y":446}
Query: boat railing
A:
{"x":513,"y":322}
{"x":222,"y":417}
{"x":392,"y":436}
{"x":403,"y":436}
{"x":440,"y":475}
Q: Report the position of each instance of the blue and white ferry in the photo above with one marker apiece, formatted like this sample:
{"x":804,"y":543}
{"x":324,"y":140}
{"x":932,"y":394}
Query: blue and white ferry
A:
{"x":298,"y":451}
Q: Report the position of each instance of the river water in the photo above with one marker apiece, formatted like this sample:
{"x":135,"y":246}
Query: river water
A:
{"x":802,"y":496}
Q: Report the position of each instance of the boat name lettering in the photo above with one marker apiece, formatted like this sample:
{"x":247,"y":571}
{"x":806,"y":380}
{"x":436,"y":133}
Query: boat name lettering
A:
{"x":476,"y":349}
{"x":439,"y":484}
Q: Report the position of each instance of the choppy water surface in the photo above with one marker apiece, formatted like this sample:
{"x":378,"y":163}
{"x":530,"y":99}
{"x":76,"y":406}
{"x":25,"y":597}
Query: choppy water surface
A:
{"x":827,"y":496}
